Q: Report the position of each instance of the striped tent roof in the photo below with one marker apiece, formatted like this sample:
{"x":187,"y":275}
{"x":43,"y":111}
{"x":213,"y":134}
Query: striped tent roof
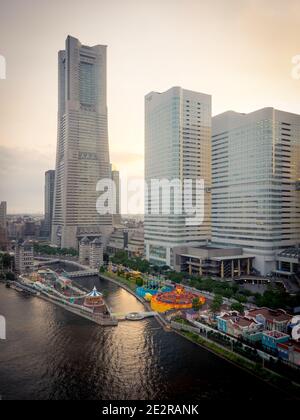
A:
{"x":94,"y":293}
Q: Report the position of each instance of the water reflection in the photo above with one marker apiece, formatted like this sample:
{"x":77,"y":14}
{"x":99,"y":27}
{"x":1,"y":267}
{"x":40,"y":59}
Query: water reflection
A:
{"x":51,"y":353}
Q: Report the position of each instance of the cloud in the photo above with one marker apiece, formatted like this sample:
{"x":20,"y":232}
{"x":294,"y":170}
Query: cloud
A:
{"x":22,"y":175}
{"x":129,"y":164}
{"x":22,"y":178}
{"x":126,"y":158}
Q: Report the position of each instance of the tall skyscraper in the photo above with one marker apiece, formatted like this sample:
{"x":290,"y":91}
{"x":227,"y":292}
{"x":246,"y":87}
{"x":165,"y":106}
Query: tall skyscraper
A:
{"x":3,"y":211}
{"x":49,"y":195}
{"x":115,"y":176}
{"x":177,"y":146}
{"x":82,"y":148}
{"x":3,"y":226}
{"x":255,"y":169}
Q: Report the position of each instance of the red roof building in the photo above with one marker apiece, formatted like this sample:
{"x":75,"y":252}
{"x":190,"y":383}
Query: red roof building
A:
{"x":271,"y":319}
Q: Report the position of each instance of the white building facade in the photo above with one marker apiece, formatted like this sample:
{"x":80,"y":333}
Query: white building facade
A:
{"x":82,"y":149}
{"x":255,"y":194}
{"x":177,"y":146}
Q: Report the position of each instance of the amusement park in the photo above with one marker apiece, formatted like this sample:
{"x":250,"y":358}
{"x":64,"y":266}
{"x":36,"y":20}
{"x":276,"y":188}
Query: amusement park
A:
{"x":61,"y":290}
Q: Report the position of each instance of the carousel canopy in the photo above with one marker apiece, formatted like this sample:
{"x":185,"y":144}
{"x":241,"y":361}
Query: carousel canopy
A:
{"x":94,"y":293}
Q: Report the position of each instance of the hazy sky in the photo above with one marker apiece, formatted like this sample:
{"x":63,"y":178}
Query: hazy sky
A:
{"x":239,"y":51}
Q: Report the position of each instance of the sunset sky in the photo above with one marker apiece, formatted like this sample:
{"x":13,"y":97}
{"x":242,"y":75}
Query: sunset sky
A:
{"x":239,"y":51}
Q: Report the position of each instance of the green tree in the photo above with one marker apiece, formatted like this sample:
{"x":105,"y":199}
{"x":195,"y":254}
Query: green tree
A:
{"x":237,"y":306}
{"x":6,"y":260}
{"x":139,"y":282}
{"x":10,"y":276}
{"x":196,"y":304}
{"x":216,"y":304}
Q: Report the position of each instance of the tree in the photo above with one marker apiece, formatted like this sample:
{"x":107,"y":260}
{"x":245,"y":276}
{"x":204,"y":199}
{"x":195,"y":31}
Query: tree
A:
{"x":10,"y":276}
{"x":6,"y":260}
{"x":139,"y":282}
{"x":216,"y":304}
{"x":237,"y":307}
{"x":176,"y":277}
{"x":196,"y":304}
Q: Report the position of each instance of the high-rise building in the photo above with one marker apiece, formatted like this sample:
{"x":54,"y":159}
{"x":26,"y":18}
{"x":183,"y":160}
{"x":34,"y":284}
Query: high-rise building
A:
{"x":24,"y":257}
{"x":82,"y":149}
{"x":177,"y":146}
{"x":255,"y":169}
{"x":3,"y":226}
{"x":3,"y":211}
{"x":96,"y":254}
{"x":84,"y":251}
{"x":115,"y":176}
{"x":49,"y":195}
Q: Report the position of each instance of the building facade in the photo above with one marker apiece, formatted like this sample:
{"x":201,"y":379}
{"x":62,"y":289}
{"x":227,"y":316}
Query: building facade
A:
{"x":255,"y":173}
{"x":115,"y":176}
{"x":24,"y":257}
{"x":49,"y":195}
{"x":177,"y":147}
{"x":82,"y":149}
{"x":96,"y":254}
{"x":212,"y":262}
{"x":91,"y":253}
{"x":3,"y":226}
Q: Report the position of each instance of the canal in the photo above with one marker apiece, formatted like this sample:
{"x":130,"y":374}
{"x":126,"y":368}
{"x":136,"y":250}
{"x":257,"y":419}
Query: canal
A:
{"x":53,"y":354}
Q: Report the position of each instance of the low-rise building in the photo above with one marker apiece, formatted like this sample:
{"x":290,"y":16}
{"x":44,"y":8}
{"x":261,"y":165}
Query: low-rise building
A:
{"x":135,"y":246}
{"x":288,"y":262}
{"x":212,"y":261}
{"x":236,"y":325}
{"x":118,"y":241}
{"x":271,"y":319}
{"x":271,"y":339}
{"x":290,"y":351}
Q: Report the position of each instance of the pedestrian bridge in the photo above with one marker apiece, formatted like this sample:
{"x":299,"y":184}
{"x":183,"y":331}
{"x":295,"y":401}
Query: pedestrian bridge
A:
{"x":82,"y":273}
{"x":133,"y":316}
{"x":42,"y":263}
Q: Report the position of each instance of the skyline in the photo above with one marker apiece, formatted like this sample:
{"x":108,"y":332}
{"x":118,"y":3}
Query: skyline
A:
{"x":244,"y":67}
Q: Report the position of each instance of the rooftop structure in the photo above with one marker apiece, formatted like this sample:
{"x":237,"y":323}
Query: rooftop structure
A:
{"x":212,"y":261}
{"x":94,"y":300}
{"x":236,"y":325}
{"x":271,"y":319}
{"x":179,"y":298}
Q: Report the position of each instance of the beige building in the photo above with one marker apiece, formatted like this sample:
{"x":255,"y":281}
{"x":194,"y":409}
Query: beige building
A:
{"x":91,"y":253}
{"x":136,"y":245}
{"x":24,"y":257}
{"x":82,"y":157}
{"x":96,"y":254}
